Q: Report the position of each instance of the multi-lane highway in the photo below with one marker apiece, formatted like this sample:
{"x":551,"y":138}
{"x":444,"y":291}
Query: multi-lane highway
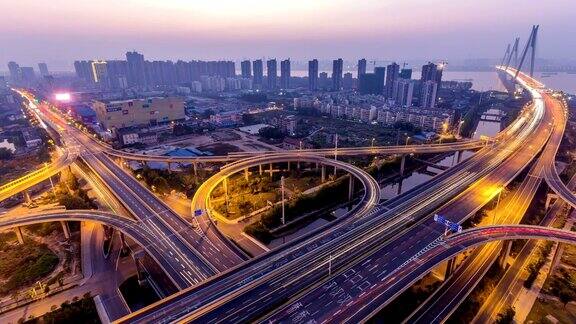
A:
{"x":453,"y":291}
{"x":447,"y":247}
{"x":265,"y":286}
{"x":349,"y":259}
{"x":153,"y":246}
{"x":517,"y":151}
{"x":507,"y":289}
{"x":186,"y":250}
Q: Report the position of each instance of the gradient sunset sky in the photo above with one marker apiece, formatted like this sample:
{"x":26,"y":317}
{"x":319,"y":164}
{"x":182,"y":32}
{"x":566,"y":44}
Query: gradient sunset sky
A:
{"x":60,"y":31}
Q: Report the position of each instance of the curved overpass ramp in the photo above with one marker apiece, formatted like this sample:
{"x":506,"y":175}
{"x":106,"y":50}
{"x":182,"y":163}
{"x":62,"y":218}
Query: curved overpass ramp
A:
{"x":11,"y":188}
{"x":439,"y":251}
{"x":371,"y":197}
{"x":125,"y":225}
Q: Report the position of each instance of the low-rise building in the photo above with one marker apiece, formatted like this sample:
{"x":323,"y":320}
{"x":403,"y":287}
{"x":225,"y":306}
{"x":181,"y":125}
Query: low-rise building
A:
{"x":114,"y":115}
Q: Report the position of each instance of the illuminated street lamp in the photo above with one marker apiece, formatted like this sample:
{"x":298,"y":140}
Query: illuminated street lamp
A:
{"x":407,"y":139}
{"x":459,"y":128}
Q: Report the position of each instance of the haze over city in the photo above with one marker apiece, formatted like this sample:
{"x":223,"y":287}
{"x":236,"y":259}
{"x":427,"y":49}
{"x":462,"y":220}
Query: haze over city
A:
{"x":66,"y":30}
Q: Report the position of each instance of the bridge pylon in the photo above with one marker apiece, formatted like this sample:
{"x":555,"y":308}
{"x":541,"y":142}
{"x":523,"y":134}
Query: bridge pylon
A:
{"x":530,"y":45}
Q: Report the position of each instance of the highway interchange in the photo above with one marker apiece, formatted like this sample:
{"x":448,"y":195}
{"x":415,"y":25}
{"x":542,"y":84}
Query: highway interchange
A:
{"x":329,"y":274}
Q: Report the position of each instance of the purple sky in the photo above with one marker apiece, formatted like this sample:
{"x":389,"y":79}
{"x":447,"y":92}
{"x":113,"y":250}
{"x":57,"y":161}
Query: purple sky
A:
{"x":59,"y":31}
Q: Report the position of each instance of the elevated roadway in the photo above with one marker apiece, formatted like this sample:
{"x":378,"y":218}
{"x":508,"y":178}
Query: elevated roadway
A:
{"x":454,"y":290}
{"x":443,"y":249}
{"x":375,"y":264}
{"x":141,"y":235}
{"x":270,"y":284}
{"x":33,"y":178}
{"x":176,"y":237}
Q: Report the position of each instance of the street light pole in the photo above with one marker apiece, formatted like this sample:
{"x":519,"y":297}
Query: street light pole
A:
{"x":459,"y":128}
{"x":407,"y":139}
{"x":336,"y":147}
{"x":283,"y":211}
{"x":497,"y":204}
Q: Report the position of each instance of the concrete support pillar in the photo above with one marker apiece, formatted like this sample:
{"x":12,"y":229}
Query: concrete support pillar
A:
{"x":317,"y":165}
{"x":260,"y":169}
{"x":271,"y":170}
{"x":557,"y":256}
{"x":399,"y":187}
{"x":225,"y":183}
{"x":137,"y":257}
{"x":246,"y":174}
{"x":350,"y":188}
{"x":450,"y":266}
{"x":323,"y":178}
{"x":65,"y":229}
{"x":169,"y":167}
{"x":335,"y":170}
{"x":123,"y":241}
{"x":27,"y":197}
{"x":550,"y":198}
{"x":298,"y":165}
{"x":288,"y":165}
{"x":18,"y":231}
{"x":195,"y":166}
{"x":503,"y":259}
{"x":459,"y":156}
{"x":402,"y":164}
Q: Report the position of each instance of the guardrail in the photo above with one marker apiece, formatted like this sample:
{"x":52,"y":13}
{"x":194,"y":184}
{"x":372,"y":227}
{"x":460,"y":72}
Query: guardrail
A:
{"x":33,"y":174}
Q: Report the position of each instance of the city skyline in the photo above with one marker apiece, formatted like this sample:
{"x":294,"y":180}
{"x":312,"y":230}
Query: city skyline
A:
{"x":325,"y":29}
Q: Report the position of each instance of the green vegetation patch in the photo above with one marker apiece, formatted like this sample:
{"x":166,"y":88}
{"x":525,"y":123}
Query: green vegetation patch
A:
{"x":78,"y":311}
{"x":24,"y":264}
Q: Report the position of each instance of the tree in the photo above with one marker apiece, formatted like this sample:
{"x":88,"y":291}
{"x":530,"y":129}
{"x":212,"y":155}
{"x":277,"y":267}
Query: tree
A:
{"x":271,"y":132}
{"x":5,"y":154}
{"x":207,"y":113}
{"x":245,"y":207}
{"x":566,"y":295}
{"x":506,"y":317}
{"x":161,"y":184}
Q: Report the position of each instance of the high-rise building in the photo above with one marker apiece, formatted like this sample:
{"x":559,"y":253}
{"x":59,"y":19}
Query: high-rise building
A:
{"x":368,"y":83}
{"x":83,"y":70}
{"x":432,"y":72}
{"x":428,"y":92}
{"x":380,"y":72}
{"x":117,"y":72}
{"x":285,"y":74}
{"x":337,"y":67}
{"x":271,"y":73}
{"x":258,"y":68}
{"x":347,"y":81}
{"x":361,"y":67}
{"x":313,"y":75}
{"x":100,"y":73}
{"x":406,"y":74}
{"x":393,"y":70}
{"x":403,"y":92}
{"x":27,"y":73}
{"x":246,"y":68}
{"x":15,"y":73}
{"x":323,"y":80}
{"x":43,"y":68}
{"x":136,"y":69}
